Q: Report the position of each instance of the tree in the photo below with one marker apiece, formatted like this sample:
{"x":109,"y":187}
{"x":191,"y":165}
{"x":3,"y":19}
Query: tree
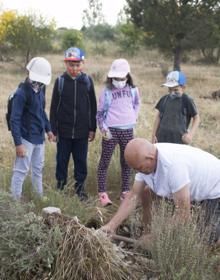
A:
{"x":172,"y":23}
{"x":99,"y":32}
{"x":129,"y":37}
{"x":28,"y":35}
{"x":93,"y":15}
{"x":6,"y":20}
{"x":208,"y":41}
{"x":72,"y":37}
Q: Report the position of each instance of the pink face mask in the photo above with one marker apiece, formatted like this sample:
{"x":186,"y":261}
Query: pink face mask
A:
{"x":73,"y":72}
{"x":73,"y":68}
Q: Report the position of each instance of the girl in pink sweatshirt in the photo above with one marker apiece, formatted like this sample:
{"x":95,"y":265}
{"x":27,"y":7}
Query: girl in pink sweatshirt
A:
{"x":117,"y":114}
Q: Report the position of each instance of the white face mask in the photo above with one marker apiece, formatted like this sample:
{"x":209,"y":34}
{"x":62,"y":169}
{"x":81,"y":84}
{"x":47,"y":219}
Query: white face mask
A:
{"x":119,"y":84}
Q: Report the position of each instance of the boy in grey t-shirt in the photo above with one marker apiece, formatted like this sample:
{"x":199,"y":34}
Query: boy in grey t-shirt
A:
{"x":174,"y":112}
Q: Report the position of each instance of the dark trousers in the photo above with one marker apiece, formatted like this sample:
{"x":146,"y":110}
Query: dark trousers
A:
{"x":212,"y":218}
{"x":79,"y":149}
{"x":121,"y":137}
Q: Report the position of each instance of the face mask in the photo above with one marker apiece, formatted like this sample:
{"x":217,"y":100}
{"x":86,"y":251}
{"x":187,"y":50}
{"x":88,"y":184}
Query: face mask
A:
{"x":175,"y":94}
{"x":119,"y":84}
{"x":73,"y":71}
{"x":36,"y":86}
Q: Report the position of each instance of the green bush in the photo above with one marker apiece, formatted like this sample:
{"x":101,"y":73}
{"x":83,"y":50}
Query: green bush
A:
{"x":71,"y":38}
{"x":178,"y":248}
{"x":27,"y":247}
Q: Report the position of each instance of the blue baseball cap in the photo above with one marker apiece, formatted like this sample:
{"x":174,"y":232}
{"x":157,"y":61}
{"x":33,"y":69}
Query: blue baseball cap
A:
{"x":74,"y":54}
{"x":174,"y":79}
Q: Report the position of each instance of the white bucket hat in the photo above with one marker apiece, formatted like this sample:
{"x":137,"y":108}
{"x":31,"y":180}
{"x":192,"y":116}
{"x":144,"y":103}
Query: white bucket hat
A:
{"x":119,"y":68}
{"x":39,"y":70}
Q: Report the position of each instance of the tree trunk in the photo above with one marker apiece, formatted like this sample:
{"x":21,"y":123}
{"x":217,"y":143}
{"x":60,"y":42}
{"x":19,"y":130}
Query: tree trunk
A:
{"x":177,"y":58}
{"x":27,"y":56}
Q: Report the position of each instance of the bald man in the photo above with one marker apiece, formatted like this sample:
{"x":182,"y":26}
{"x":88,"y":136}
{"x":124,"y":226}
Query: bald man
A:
{"x":174,"y":171}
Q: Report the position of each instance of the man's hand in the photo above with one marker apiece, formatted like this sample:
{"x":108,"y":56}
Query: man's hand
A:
{"x":108,"y":229}
{"x":91,"y":136}
{"x":21,"y":150}
{"x":144,"y":241}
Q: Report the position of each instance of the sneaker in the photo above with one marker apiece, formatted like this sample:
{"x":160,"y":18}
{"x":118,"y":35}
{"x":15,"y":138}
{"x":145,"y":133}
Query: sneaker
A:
{"x":82,"y":196}
{"x":123,"y":195}
{"x":60,"y":185}
{"x":104,"y":199}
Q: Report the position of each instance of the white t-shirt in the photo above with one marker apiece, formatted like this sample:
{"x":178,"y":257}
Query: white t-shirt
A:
{"x":180,"y":165}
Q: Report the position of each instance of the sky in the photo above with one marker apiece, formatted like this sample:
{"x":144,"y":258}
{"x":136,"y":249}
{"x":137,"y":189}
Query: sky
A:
{"x":67,"y":13}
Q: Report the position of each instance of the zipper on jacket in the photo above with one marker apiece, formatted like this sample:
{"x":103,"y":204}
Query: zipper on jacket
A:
{"x":74,"y":110}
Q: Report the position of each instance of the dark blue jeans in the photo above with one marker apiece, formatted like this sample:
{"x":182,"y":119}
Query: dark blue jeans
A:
{"x":79,"y":149}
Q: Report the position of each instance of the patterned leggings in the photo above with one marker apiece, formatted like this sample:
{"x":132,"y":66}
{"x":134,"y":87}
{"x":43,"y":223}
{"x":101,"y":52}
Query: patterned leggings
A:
{"x":121,"y":137}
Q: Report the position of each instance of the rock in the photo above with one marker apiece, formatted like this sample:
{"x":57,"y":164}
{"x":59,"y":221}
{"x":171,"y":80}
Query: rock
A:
{"x":50,"y":210}
{"x":215,"y":94}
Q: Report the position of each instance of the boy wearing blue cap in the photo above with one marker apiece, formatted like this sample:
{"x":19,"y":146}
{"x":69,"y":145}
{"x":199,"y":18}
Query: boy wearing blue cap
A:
{"x":73,"y":119}
{"x":174,"y":112}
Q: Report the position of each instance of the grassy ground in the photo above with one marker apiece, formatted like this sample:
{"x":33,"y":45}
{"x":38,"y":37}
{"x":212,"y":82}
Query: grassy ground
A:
{"x":147,"y":71}
{"x":147,"y":74}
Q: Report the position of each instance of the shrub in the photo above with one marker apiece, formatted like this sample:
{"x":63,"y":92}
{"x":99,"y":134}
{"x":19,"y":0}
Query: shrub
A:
{"x":29,"y":247}
{"x":178,"y":249}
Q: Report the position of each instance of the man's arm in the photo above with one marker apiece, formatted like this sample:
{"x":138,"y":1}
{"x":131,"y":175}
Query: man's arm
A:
{"x":126,"y":207}
{"x":182,"y":203}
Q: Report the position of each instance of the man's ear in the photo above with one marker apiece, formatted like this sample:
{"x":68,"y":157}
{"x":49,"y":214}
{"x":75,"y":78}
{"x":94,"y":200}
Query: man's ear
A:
{"x":150,"y":157}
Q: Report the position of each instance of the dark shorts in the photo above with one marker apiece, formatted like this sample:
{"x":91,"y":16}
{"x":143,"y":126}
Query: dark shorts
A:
{"x":208,"y":218}
{"x":211,"y":212}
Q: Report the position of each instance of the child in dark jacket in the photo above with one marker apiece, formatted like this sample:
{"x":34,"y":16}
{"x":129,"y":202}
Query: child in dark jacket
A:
{"x":73,"y":119}
{"x":28,"y":123}
{"x":174,"y":112}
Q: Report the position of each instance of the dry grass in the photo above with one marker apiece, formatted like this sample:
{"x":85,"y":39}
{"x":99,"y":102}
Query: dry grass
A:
{"x":148,"y":76}
{"x":87,"y":254}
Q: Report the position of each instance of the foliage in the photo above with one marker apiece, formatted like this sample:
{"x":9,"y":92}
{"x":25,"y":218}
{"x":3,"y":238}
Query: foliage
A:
{"x":28,"y":35}
{"x":6,"y":20}
{"x":93,"y":15}
{"x":173,"y":24}
{"x":29,"y":248}
{"x":72,"y":37}
{"x":209,"y":23}
{"x":129,"y":38}
{"x":177,"y":247}
{"x":99,"y":32}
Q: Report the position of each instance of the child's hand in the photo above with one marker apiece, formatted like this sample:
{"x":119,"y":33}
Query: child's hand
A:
{"x":154,"y":139}
{"x":187,"y":138}
{"x":21,"y":151}
{"x":106,"y":134}
{"x":91,"y":136}
{"x":50,"y":136}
